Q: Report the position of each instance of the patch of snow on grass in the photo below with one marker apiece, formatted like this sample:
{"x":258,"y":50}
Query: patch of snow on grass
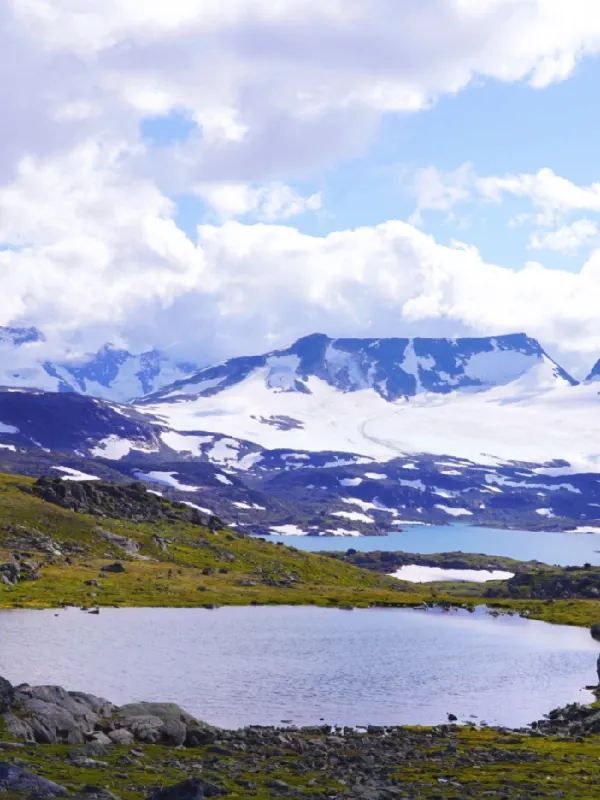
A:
{"x":75,"y":474}
{"x":167,"y":479}
{"x":287,"y":530}
{"x":416,"y":573}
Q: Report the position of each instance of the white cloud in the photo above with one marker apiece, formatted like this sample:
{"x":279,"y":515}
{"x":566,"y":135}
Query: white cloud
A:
{"x":91,"y":262}
{"x":275,"y":201}
{"x":568,"y":239}
{"x":441,"y":191}
{"x":552,"y":197}
{"x":276,"y":88}
{"x":548,"y":192}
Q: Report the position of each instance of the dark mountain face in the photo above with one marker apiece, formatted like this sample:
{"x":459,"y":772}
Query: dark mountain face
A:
{"x":392,"y":367}
{"x":66,"y":421}
{"x":595,"y":372}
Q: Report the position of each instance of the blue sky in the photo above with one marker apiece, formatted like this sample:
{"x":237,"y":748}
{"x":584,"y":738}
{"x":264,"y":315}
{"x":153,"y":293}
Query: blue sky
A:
{"x":497,"y":128}
{"x":222,"y":177}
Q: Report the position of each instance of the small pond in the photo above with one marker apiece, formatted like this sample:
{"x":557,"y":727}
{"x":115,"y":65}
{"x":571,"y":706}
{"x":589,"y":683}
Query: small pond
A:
{"x":266,"y":665}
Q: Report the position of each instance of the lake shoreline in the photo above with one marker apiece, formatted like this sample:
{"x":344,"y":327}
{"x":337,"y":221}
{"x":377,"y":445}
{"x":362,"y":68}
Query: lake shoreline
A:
{"x":141,"y":750}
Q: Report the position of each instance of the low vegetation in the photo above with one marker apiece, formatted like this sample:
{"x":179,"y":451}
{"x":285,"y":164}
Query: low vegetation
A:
{"x":443,"y":763}
{"x":52,"y":556}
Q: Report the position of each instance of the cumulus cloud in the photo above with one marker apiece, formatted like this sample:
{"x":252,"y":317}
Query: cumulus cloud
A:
{"x":568,"y":239}
{"x":274,"y":89}
{"x":271,"y":202}
{"x":89,"y":262}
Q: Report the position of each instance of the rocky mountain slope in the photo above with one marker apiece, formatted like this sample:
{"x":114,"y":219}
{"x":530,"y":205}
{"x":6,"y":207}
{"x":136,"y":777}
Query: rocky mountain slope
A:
{"x":112,"y":372}
{"x":338,"y":436}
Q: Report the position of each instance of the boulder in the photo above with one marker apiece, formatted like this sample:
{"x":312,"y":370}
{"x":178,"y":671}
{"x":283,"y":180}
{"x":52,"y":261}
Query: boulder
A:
{"x":115,"y":567}
{"x":51,"y":715}
{"x":16,"y":779}
{"x":166,"y":723}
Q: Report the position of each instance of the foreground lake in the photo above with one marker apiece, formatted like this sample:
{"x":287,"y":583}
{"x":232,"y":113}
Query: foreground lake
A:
{"x":552,"y":548}
{"x":301,"y":665}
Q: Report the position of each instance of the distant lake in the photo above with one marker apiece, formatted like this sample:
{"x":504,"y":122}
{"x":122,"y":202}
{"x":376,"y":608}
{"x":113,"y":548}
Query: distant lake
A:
{"x":552,"y":548}
{"x":263,"y":665}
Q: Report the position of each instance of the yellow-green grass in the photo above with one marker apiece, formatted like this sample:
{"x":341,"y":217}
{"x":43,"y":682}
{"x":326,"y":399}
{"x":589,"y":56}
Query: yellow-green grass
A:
{"x":455,"y":766}
{"x":241,"y":570}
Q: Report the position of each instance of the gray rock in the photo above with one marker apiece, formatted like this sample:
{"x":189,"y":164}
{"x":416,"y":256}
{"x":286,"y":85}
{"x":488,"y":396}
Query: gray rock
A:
{"x":192,"y":789}
{"x":7,"y":695}
{"x":50,"y":714}
{"x":116,"y":567}
{"x":95,"y":793}
{"x":164,"y":722}
{"x":121,"y":736}
{"x":129,"y":546}
{"x":15,"y":779}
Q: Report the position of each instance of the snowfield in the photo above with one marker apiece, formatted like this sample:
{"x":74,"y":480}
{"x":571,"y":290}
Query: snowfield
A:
{"x":536,"y":418}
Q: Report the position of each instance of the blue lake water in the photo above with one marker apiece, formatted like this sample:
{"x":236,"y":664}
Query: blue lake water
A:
{"x":551,"y":548}
{"x":266,"y":665}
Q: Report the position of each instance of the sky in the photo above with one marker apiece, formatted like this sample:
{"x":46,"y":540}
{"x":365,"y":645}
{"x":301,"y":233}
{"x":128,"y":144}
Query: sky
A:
{"x":220,"y":177}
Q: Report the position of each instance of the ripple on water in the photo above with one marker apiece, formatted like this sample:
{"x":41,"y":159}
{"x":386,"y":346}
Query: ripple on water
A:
{"x":261,"y":665}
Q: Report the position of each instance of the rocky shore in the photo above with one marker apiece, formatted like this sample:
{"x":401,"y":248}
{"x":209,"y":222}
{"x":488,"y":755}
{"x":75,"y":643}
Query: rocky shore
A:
{"x":55,"y":742}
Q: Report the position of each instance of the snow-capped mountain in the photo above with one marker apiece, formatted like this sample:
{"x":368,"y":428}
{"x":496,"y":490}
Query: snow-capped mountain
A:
{"x":499,"y":398}
{"x":284,"y":491}
{"x":595,"y":372}
{"x":393,"y":368}
{"x":111,"y":373}
{"x":328,"y":435}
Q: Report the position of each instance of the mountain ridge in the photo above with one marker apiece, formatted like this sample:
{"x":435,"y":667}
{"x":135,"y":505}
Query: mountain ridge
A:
{"x":112,"y":372}
{"x":394,"y":367}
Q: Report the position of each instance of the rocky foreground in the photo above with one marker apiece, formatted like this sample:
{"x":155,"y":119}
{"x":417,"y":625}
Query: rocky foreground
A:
{"x":59,"y":743}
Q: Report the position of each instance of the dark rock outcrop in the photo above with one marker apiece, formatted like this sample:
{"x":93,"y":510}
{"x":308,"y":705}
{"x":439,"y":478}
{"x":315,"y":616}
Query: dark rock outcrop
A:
{"x":16,"y":779}
{"x":7,"y":695}
{"x":119,"y":501}
{"x":52,"y":715}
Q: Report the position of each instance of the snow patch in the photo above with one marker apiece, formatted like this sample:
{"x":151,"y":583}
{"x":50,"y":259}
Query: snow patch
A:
{"x":354,"y":516}
{"x":166,"y":478}
{"x":75,"y":474}
{"x":416,"y":573}
{"x":453,"y":511}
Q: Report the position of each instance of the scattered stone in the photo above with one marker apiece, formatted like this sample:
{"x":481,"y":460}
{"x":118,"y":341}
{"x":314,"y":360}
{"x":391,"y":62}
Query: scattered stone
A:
{"x":192,"y":789}
{"x":116,"y":567}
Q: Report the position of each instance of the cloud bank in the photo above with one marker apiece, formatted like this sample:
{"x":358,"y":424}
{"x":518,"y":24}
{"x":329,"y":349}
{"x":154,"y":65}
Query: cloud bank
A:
{"x":89,"y":246}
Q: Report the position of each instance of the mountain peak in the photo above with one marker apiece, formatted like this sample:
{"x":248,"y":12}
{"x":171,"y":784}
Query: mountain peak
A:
{"x":595,"y":372}
{"x":18,"y":336}
{"x":392,"y":367}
